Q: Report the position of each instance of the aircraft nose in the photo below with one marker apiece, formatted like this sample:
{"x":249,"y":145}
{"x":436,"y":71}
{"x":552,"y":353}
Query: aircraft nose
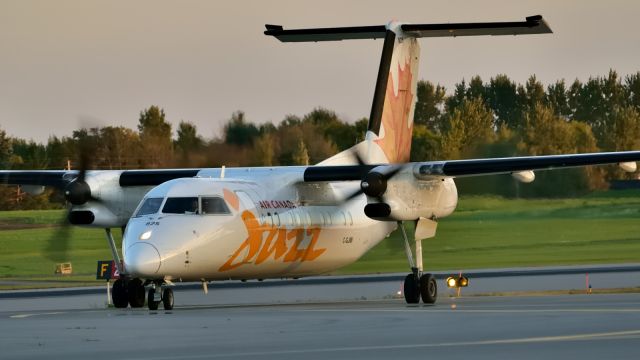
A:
{"x":142,"y":259}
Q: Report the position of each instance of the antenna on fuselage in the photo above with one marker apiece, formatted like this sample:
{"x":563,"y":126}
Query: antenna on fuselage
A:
{"x":222,"y":172}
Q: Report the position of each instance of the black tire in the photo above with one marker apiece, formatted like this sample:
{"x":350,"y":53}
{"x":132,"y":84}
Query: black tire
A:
{"x":153,"y":305}
{"x":136,"y":293}
{"x":119,"y":294}
{"x":411,"y":289}
{"x":167,"y":299}
{"x":428,"y":289}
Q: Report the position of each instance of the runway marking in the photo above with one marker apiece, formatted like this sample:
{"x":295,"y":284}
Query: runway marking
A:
{"x":23,"y":316}
{"x":577,"y":337}
{"x":506,"y":311}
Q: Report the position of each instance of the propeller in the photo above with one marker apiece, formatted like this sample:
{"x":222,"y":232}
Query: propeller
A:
{"x":374,"y":183}
{"x":57,"y":248}
{"x":76,"y":192}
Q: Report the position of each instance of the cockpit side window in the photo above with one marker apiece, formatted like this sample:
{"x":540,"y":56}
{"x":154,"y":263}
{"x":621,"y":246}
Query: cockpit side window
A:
{"x":149,"y":206}
{"x":214,"y":206}
{"x":181,"y":205}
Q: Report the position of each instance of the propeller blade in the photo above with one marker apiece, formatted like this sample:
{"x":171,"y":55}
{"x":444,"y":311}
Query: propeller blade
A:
{"x":393,"y":172}
{"x":84,"y":151}
{"x":354,"y":195}
{"x":359,"y":159}
{"x":57,"y":249}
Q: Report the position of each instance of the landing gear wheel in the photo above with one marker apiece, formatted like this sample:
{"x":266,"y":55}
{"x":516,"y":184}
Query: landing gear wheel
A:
{"x":411,"y":289}
{"x":136,"y":293}
{"x":153,"y":305}
{"x":167,"y":299}
{"x":119,"y":294}
{"x":428,"y":289}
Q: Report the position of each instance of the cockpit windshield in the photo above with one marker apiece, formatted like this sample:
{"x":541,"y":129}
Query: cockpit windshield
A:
{"x":205,"y":205}
{"x":181,"y":205}
{"x":214,"y":206}
{"x":149,"y":206}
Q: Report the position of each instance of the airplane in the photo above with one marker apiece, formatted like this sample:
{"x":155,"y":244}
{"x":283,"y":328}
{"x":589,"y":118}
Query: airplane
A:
{"x":213,"y":224}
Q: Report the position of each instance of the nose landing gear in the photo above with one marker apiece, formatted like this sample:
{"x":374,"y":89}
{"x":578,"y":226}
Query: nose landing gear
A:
{"x":160,"y":294}
{"x":131,"y":292}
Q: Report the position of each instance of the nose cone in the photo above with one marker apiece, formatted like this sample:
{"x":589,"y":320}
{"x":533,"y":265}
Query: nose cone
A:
{"x":142,"y":259}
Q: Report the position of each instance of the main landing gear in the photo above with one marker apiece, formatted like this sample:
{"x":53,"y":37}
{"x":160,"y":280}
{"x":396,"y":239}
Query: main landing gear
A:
{"x":131,"y":292}
{"x":417,"y":284}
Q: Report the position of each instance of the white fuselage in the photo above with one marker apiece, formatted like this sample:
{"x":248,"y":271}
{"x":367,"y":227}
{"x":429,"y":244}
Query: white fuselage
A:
{"x":276,"y":226}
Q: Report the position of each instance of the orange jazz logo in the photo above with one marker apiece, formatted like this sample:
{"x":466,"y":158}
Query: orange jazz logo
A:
{"x":267,"y":242}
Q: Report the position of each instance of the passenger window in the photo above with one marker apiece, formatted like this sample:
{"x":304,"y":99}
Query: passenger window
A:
{"x":350,"y":218}
{"x":214,"y":206}
{"x":181,"y":205}
{"x":277,"y":219}
{"x":270,"y":219}
{"x":149,"y":206}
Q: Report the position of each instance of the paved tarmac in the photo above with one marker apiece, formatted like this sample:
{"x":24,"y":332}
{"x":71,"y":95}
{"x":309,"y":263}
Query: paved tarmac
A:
{"x":354,"y":318}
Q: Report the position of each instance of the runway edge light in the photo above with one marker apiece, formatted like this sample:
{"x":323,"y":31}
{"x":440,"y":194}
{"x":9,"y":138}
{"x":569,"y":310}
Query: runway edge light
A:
{"x":456,"y":282}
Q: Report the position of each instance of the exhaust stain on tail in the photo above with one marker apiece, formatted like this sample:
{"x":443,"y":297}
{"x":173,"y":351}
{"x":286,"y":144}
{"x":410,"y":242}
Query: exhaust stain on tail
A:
{"x":399,"y":102}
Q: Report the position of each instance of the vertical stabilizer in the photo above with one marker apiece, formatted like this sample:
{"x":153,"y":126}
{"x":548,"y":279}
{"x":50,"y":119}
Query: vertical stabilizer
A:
{"x":394,"y":125}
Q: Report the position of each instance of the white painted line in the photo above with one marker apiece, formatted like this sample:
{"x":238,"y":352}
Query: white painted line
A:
{"x":491,"y":311}
{"x":23,"y":316}
{"x":576,"y":337}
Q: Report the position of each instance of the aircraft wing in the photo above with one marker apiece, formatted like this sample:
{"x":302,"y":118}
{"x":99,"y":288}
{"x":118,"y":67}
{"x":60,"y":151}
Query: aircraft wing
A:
{"x":34,"y":177}
{"x":476,"y":167}
{"x":61,"y":178}
{"x":473,"y":167}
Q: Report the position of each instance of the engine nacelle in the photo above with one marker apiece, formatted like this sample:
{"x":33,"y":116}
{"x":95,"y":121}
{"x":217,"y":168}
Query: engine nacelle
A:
{"x":407,"y":198}
{"x":111,"y":205}
{"x":94,"y":214}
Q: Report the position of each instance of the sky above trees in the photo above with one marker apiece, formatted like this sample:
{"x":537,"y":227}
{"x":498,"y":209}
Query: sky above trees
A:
{"x":69,"y":62}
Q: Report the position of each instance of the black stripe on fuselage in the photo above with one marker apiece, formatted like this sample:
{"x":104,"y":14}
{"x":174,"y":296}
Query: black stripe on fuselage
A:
{"x":336,"y":173}
{"x":154,"y":177}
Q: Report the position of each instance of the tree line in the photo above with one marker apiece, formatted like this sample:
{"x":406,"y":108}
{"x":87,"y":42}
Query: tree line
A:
{"x":494,"y":118}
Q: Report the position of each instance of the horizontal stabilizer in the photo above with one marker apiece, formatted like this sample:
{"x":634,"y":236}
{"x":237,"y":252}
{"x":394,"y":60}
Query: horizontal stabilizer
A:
{"x":326,"y":34}
{"x":531,"y":25}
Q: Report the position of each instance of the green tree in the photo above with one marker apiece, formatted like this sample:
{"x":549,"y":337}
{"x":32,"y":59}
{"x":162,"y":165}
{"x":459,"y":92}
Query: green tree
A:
{"x":155,"y":137}
{"x":264,"y":149}
{"x":457,"y":98}
{"x":557,"y":98}
{"x":6,"y":150}
{"x":301,"y":155}
{"x":502,"y":99}
{"x":632,"y":86}
{"x":119,"y":147}
{"x":548,"y":134}
{"x":429,"y":104}
{"x":425,"y":144}
{"x":240,"y":132}
{"x":476,"y":89}
{"x":188,"y":138}
{"x":470,"y":125}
